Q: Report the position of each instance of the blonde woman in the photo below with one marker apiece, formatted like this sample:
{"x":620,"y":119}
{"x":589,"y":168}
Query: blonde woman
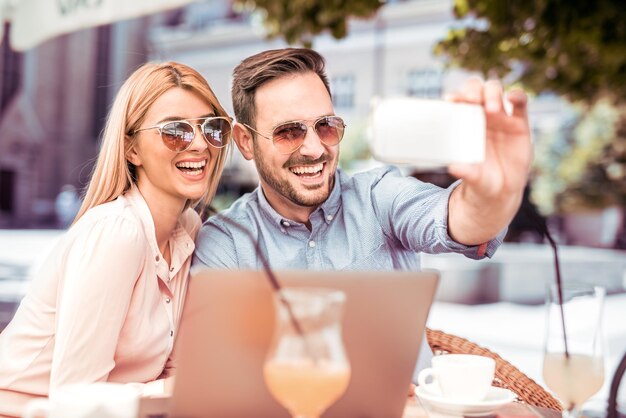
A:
{"x":106,"y":304}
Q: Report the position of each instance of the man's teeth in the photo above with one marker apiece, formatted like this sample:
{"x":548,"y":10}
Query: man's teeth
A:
{"x":308,"y":169}
{"x":189,"y":164}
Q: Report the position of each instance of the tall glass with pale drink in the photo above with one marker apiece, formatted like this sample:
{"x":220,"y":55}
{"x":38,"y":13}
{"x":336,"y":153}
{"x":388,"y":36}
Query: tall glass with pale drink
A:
{"x":573,"y":365}
{"x":307,"y":369}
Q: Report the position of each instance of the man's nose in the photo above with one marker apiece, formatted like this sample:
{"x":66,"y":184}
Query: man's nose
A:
{"x":312,"y":145}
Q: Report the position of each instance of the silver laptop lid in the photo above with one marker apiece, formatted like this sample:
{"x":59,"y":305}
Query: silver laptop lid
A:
{"x":228,"y":323}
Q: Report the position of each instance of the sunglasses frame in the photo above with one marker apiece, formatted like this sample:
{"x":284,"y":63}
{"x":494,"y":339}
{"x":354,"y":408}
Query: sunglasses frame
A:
{"x":304,"y":122}
{"x":205,"y":120}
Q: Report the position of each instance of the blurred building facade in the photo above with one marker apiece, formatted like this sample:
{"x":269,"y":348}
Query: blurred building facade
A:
{"x":390,"y":54}
{"x":55,"y":97}
{"x":54,"y":102}
{"x":387,"y":55}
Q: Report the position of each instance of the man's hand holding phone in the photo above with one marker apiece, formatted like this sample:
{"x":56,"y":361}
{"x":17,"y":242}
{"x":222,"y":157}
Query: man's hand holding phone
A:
{"x":476,"y":137}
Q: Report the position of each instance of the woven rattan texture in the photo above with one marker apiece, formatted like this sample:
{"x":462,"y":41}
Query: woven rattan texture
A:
{"x":507,"y":375}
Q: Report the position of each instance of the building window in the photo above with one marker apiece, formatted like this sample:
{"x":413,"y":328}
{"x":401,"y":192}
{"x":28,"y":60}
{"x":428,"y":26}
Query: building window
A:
{"x":102,"y":80}
{"x":343,"y":91}
{"x":10,"y":70}
{"x":425,"y":82}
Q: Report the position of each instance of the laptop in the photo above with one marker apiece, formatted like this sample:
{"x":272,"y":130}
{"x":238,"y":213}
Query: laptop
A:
{"x":228,"y":322}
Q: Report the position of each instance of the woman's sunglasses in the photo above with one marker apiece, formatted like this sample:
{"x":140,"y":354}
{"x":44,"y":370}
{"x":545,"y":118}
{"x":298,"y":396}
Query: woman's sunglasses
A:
{"x":179,"y":134}
{"x":289,"y":136}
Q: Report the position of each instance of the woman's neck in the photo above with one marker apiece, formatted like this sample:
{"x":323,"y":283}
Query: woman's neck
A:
{"x":164,"y":224}
{"x":165,"y":210}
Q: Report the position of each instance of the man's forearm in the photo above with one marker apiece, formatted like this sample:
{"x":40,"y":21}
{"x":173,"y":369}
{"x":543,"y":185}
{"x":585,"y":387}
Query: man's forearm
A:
{"x":473,"y":219}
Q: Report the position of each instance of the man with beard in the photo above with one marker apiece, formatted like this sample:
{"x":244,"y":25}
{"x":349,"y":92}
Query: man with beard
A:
{"x":309,"y":214}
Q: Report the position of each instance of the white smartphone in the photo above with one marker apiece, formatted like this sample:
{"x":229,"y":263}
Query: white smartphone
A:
{"x":424,"y":132}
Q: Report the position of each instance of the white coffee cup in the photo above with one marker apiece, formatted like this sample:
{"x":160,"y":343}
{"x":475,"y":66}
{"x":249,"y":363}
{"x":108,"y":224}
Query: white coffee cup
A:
{"x":460,"y":377}
{"x":93,"y":400}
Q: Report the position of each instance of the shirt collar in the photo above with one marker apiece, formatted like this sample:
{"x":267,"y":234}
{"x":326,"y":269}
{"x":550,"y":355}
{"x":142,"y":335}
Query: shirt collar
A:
{"x":267,"y":210}
{"x":180,"y":235}
{"x":329,"y":207}
{"x":136,"y":199}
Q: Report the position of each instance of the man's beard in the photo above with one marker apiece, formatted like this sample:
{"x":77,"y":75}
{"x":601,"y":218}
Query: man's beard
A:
{"x":283,"y":187}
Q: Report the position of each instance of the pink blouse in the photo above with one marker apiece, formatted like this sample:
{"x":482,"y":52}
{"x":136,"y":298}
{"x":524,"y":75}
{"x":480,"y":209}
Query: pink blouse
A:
{"x":105,"y":305}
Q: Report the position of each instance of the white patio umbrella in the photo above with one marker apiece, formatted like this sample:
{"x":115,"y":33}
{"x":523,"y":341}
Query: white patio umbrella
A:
{"x":34,"y":21}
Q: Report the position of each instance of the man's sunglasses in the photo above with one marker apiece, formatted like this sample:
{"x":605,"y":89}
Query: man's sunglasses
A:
{"x":289,"y":136}
{"x":178,"y":135}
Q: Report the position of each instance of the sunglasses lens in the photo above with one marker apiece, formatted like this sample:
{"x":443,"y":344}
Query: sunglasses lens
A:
{"x":217,"y":132}
{"x":330,"y":129}
{"x":289,"y":136}
{"x":177,"y":136}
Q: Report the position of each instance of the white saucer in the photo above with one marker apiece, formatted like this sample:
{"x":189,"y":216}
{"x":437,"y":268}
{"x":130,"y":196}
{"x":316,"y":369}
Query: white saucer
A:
{"x":495,"y":398}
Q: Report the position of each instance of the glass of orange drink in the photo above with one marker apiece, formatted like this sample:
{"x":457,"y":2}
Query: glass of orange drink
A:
{"x":306,"y":369}
{"x":573,"y":366}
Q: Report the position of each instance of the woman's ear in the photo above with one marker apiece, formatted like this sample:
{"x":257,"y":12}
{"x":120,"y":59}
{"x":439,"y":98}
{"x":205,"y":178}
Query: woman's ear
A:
{"x":243,"y":139}
{"x":131,"y":152}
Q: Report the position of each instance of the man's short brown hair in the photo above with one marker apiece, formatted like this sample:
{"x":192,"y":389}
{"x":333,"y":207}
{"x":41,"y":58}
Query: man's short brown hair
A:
{"x":258,"y":69}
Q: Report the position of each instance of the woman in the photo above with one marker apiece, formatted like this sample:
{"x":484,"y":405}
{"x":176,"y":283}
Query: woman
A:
{"x":106,"y":303}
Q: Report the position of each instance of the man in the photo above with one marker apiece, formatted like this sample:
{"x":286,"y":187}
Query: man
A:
{"x":308,"y":214}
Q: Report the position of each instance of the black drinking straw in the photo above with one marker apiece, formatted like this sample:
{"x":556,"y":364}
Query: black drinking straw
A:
{"x":540,"y":223}
{"x":276,"y":286}
{"x":617,"y":379}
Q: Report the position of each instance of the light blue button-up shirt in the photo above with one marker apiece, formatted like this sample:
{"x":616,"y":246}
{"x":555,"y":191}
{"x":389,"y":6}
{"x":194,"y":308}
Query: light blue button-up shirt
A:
{"x":375,"y":220}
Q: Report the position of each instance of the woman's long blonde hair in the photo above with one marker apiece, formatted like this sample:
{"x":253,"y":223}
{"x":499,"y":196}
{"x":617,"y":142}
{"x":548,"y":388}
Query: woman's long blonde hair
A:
{"x":113,"y":174}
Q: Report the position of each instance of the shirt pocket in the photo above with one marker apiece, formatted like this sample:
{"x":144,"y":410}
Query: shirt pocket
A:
{"x":377,"y":259}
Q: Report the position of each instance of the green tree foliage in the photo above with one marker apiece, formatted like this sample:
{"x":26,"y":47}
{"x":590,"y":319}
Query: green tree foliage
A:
{"x":298,"y":21}
{"x":575,"y":48}
{"x":582,"y":165}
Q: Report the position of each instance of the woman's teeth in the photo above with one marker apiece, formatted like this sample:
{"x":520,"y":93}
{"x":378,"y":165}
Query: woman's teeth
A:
{"x":191,"y":168}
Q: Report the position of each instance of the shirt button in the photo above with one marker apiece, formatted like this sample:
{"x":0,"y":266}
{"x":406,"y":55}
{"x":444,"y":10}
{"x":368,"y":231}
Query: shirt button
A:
{"x":171,"y":268}
{"x":311,"y":244}
{"x":329,"y":218}
{"x":168,"y":300}
{"x":285,"y":223}
{"x":157,"y":258}
{"x":171,"y":333}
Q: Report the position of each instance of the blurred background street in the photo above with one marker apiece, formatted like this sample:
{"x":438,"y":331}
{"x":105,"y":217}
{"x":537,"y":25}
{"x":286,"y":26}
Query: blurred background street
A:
{"x":54,"y":98}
